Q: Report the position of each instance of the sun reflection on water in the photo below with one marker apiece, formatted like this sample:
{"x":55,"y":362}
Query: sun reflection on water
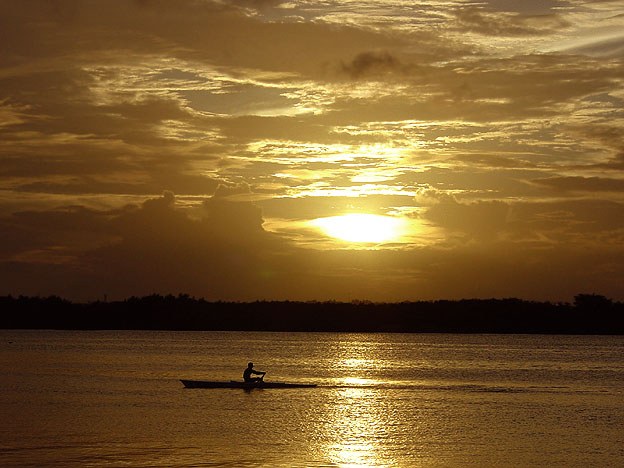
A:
{"x":358,"y":419}
{"x":355,"y":455}
{"x":359,"y":382}
{"x":357,"y":430}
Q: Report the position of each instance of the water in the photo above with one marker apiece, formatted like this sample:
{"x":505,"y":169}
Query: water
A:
{"x":113,"y":399}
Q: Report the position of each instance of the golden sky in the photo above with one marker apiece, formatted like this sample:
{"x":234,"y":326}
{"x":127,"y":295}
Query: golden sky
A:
{"x":383,"y":150}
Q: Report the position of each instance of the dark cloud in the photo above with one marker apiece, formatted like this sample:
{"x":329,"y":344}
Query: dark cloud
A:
{"x":232,"y":219}
{"x":226,"y":254}
{"x":572,"y":221}
{"x":508,"y":24}
{"x":153,"y":246}
{"x":65,"y":231}
{"x":156,"y":182}
{"x":490,"y":91}
{"x":616,"y":163}
{"x":527,"y":7}
{"x":609,"y":136}
{"x":206,"y":31}
{"x":582,"y":184}
{"x":255,"y":4}
{"x":64,"y":142}
{"x":564,"y":222}
{"x":156,"y":247}
{"x":370,"y":64}
{"x":493,"y":160}
{"x":480,"y":220}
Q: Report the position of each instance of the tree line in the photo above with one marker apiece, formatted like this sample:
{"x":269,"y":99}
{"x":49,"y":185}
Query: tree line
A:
{"x":588,"y":314}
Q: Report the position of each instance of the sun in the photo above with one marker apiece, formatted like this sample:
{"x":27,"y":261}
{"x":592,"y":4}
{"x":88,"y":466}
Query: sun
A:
{"x":360,"y":227}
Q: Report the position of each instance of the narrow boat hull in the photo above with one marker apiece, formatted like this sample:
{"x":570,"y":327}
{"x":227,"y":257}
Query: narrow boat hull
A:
{"x":239,"y":384}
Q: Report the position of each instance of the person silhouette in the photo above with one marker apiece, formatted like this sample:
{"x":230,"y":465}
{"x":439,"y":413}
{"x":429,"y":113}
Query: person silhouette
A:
{"x":249,"y":371}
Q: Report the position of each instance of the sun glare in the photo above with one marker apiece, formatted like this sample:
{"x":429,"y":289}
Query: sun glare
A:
{"x":360,"y":227}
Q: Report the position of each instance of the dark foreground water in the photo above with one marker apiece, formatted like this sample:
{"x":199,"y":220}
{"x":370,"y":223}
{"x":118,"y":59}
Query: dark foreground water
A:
{"x":113,"y":399}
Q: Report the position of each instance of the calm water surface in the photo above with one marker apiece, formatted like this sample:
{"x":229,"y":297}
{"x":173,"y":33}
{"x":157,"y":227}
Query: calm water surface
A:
{"x":113,"y":399}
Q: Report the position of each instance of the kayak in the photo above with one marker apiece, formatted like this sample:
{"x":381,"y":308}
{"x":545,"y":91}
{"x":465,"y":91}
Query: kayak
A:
{"x":240,"y":384}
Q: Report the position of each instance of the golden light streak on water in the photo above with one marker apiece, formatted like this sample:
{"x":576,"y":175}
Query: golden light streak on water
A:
{"x":355,"y":427}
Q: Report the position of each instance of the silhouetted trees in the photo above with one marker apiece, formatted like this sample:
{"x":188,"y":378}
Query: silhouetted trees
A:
{"x":592,"y":302}
{"x":589,"y":314}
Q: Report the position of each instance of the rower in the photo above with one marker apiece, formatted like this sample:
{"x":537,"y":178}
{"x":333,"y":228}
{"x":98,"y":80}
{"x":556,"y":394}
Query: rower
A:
{"x":249,"y":371}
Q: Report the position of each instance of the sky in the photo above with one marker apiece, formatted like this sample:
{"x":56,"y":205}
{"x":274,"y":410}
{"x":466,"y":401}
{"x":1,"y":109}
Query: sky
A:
{"x":381,"y":150}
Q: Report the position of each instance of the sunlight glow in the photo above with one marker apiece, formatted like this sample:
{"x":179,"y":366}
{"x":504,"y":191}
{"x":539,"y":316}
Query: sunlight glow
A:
{"x":360,"y":227}
{"x":359,"y":382}
{"x":354,"y":455}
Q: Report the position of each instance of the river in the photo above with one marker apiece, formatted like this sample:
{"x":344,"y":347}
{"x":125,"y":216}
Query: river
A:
{"x":114,"y":399}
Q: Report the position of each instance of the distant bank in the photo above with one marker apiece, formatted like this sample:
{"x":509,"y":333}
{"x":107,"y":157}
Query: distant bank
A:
{"x":589,"y":314}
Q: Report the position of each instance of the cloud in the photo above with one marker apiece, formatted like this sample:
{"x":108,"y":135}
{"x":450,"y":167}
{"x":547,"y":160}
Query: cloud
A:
{"x":255,"y":4}
{"x":234,"y":220}
{"x":187,"y":184}
{"x":190,"y":30}
{"x":570,"y":221}
{"x":605,"y":48}
{"x":231,"y":189}
{"x":616,"y":163}
{"x":582,"y":184}
{"x":526,"y":7}
{"x":367,"y":64}
{"x":517,"y":222}
{"x":480,"y":220}
{"x":508,"y":24}
{"x":152,"y":246}
{"x":162,"y":246}
{"x":610,"y":137}
{"x":500,"y":90}
{"x":52,"y":236}
{"x":63,"y":142}
{"x":346,"y":107}
{"x":493,"y":160}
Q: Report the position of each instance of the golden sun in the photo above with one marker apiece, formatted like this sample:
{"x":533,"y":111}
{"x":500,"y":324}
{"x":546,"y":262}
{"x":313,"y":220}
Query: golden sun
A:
{"x":360,"y":227}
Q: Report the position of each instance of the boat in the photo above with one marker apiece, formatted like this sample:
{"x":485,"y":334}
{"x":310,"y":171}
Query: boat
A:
{"x":241,"y":384}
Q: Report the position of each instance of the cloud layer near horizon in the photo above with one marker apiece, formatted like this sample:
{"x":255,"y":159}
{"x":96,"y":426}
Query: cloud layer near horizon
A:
{"x":150,"y":146}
